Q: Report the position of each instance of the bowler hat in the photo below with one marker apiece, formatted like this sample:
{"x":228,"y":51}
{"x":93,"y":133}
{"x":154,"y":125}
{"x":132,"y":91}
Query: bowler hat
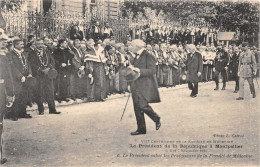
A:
{"x":130,"y":74}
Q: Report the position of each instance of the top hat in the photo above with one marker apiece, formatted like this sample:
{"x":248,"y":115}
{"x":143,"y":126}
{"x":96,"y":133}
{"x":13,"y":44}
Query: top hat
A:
{"x":130,"y":74}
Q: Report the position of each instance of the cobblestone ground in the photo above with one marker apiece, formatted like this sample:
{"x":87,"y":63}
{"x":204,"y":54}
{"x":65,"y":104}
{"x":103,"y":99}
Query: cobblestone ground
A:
{"x":212,"y":129}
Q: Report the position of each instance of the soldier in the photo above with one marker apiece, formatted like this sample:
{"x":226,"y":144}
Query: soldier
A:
{"x":220,"y":66}
{"x":41,"y":64}
{"x":246,"y":70}
{"x":233,"y":67}
{"x":6,"y":87}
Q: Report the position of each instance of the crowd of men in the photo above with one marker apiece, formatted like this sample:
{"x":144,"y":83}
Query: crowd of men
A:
{"x":45,"y":70}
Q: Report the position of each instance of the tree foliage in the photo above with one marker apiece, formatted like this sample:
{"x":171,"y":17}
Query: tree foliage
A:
{"x":11,"y":5}
{"x":227,"y":16}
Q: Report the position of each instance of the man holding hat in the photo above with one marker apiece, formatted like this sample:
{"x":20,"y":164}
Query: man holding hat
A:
{"x":41,"y":65}
{"x":143,"y":85}
{"x":246,"y":70}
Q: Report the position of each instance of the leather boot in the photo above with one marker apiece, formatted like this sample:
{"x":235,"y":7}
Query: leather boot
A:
{"x":252,"y":89}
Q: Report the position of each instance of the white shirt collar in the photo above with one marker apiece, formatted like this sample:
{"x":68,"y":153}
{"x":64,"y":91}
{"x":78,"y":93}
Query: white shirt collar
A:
{"x":140,"y":51}
{"x":19,"y":52}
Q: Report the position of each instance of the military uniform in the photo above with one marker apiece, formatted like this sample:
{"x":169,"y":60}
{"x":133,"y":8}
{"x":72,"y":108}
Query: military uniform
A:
{"x":6,"y":89}
{"x":246,"y":68}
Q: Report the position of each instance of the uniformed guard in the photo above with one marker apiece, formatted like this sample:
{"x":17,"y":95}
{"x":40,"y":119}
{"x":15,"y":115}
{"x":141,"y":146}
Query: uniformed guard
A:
{"x":246,"y":70}
{"x":6,"y":87}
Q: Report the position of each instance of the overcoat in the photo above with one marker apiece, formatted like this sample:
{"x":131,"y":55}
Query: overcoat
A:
{"x":194,"y":65}
{"x":146,"y":84}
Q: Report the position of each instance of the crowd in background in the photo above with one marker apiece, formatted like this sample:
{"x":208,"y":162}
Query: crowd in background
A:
{"x":89,"y":66}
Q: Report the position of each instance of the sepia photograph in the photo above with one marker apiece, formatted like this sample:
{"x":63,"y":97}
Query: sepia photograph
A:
{"x":129,"y":83}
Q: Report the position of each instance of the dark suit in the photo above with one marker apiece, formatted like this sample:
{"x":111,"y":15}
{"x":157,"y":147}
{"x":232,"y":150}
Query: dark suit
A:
{"x":63,"y":80}
{"x":220,"y":63}
{"x":21,"y":68}
{"x":194,"y":65}
{"x":45,"y":87}
{"x":233,"y":68}
{"x":145,"y":89}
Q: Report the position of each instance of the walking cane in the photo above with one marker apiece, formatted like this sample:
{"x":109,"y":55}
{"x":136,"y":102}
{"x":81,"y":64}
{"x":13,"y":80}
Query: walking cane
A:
{"x":125,"y":106}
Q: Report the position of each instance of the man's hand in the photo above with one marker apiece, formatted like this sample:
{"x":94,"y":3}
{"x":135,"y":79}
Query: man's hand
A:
{"x":226,"y":68}
{"x":254,"y":73}
{"x":81,"y":68}
{"x":63,"y":65}
{"x":214,"y":69}
{"x":199,"y":74}
{"x":185,"y":72}
{"x":23,"y":79}
{"x":29,"y":76}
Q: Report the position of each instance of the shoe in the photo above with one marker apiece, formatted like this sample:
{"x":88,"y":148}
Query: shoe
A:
{"x":41,"y":113}
{"x":14,"y":119}
{"x":216,"y":88}
{"x":235,"y":91}
{"x":240,"y":98}
{"x":3,"y":160}
{"x":223,"y":88}
{"x":54,"y":112}
{"x":254,"y":96}
{"x":193,"y":96}
{"x":138,"y":133}
{"x":158,"y":124}
{"x":26,"y":116}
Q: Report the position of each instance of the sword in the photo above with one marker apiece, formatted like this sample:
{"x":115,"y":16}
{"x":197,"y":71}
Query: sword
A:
{"x":125,"y":106}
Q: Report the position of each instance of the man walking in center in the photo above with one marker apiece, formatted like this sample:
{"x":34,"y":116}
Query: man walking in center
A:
{"x":144,"y":86}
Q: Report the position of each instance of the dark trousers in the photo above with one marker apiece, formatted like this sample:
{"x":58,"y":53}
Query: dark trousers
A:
{"x":205,"y":72}
{"x":224,"y":75}
{"x":236,"y":78}
{"x":63,"y":84}
{"x":193,"y":87}
{"x":141,"y":106}
{"x":45,"y":91}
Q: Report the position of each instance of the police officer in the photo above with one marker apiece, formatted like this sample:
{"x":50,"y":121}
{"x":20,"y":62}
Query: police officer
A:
{"x":246,"y":70}
{"x":233,"y":67}
{"x":6,"y":86}
{"x":220,"y":66}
